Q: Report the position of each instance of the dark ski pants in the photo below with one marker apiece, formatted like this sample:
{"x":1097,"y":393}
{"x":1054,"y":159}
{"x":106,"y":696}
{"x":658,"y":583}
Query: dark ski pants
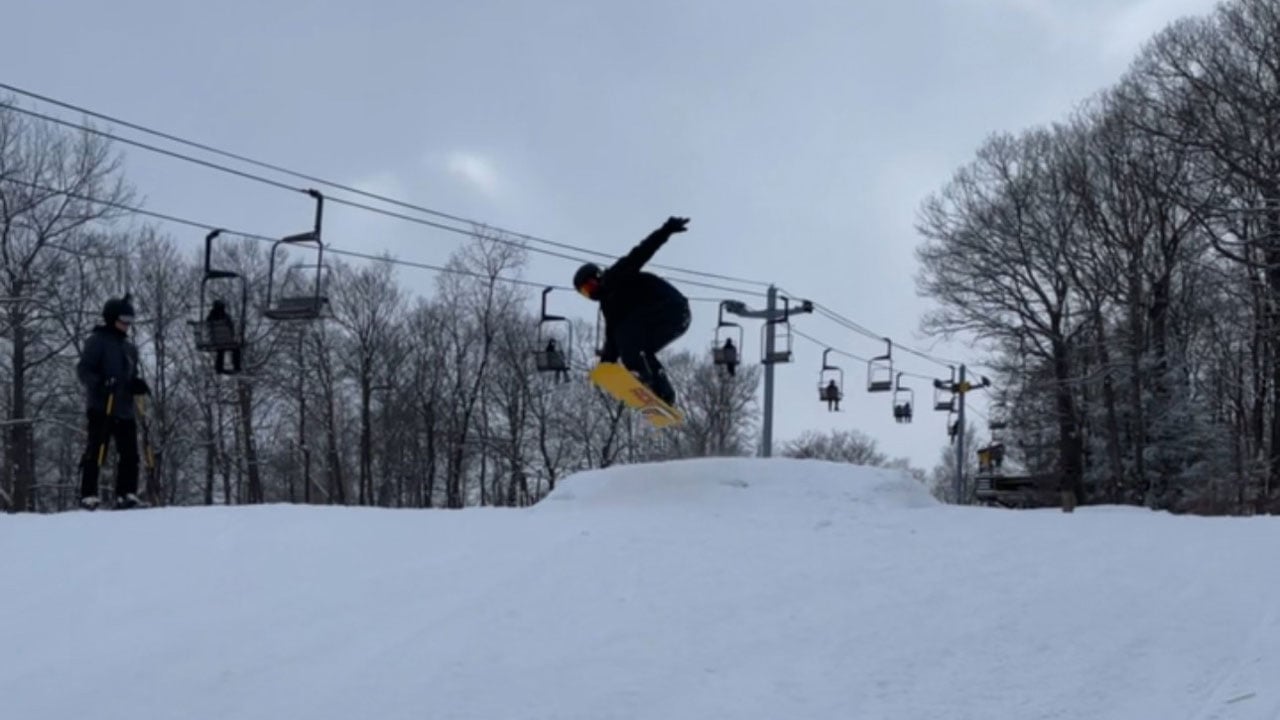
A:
{"x":220,"y":361}
{"x":646,"y":331}
{"x":101,"y":431}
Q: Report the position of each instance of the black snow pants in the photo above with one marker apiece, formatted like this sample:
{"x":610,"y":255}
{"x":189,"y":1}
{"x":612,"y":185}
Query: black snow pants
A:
{"x":101,"y":431}
{"x":643,"y":333}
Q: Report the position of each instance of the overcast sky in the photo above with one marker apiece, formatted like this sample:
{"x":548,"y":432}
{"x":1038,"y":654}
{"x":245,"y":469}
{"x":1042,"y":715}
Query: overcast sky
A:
{"x":799,"y":136}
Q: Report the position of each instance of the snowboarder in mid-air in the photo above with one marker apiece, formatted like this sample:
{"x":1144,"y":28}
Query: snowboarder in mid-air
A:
{"x":642,"y":312}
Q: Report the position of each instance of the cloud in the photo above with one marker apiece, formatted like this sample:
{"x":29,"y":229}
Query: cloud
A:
{"x":475,"y":170}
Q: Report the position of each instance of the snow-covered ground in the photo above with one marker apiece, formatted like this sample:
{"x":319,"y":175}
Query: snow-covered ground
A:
{"x":741,"y":589}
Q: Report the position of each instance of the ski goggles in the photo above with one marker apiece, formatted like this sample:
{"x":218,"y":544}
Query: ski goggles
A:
{"x":588,"y":288}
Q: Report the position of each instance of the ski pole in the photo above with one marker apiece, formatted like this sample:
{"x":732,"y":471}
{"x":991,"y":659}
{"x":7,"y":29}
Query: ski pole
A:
{"x":106,"y":434}
{"x":148,"y":453}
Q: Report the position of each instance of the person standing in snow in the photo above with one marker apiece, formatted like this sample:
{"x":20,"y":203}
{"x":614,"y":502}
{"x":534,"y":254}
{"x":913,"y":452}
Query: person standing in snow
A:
{"x":108,"y":371}
{"x":642,"y":312}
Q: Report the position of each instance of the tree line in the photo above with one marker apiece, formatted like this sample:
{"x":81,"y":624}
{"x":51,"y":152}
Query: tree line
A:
{"x":1122,"y":268}
{"x":396,"y":399}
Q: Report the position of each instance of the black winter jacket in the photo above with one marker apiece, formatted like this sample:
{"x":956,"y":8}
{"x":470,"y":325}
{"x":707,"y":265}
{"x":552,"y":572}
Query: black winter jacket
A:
{"x":108,"y":353}
{"x":626,"y":290}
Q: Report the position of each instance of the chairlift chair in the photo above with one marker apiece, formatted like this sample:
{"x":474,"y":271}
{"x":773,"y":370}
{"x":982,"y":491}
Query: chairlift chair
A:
{"x":826,"y":376}
{"x":944,"y":395}
{"x":880,"y":371}
{"x":904,"y":401}
{"x":299,"y":303}
{"x":551,"y":350}
{"x":215,"y":336}
{"x":727,"y":342}
{"x":287,"y":300}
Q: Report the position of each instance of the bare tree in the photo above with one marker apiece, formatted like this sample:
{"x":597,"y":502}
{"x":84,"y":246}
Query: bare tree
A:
{"x":1210,"y":86}
{"x":368,"y":306}
{"x":721,"y":412}
{"x":475,"y":299}
{"x":1003,"y":239}
{"x":426,"y":332}
{"x":163,"y":290}
{"x":849,"y":446}
{"x":49,"y":181}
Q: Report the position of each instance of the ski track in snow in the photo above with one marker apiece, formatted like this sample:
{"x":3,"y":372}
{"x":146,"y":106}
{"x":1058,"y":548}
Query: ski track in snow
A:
{"x":727,"y":588}
{"x":1246,"y":688}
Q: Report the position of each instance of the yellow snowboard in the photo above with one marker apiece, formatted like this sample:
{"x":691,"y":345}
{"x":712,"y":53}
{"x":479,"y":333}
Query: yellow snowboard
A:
{"x":620,"y":383}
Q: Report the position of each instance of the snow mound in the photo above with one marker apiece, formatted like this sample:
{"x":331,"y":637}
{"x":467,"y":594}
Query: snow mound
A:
{"x":773,"y":483}
{"x":728,"y":588}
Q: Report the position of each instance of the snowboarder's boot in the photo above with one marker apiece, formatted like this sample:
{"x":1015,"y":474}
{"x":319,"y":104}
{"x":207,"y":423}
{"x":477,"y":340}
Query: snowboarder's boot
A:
{"x":662,"y":387}
{"x":90,"y":502}
{"x":129,"y":501}
{"x":652,"y":375}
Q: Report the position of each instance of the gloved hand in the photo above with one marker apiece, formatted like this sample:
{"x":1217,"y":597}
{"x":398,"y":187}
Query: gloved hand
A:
{"x":675,"y":225}
{"x":139,"y":387}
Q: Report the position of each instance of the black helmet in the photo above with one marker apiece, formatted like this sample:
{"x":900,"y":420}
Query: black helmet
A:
{"x":588,"y":274}
{"x":117,"y":308}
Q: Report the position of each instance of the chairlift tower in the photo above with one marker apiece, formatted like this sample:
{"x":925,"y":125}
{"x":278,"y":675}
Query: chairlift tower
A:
{"x":773,"y":316}
{"x":958,"y":388}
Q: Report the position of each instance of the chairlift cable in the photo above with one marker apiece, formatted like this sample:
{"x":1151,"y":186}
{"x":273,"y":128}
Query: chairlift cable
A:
{"x":134,"y":210}
{"x":262,"y":238}
{"x":853,"y":356}
{"x":311,"y":178}
{"x":849,"y":324}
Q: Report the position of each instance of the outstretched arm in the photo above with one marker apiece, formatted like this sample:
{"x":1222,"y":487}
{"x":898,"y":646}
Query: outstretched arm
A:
{"x":643,"y":253}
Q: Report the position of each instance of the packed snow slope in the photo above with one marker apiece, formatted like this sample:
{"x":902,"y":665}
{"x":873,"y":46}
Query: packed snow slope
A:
{"x":743,"y":589}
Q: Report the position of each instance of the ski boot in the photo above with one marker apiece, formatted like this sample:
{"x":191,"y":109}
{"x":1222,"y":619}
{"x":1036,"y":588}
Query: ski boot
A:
{"x":130,"y":501}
